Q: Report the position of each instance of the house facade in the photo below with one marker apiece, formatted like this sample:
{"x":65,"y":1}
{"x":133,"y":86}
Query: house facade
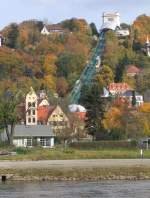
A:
{"x":30,"y":136}
{"x":58,"y":119}
{"x":129,"y":96}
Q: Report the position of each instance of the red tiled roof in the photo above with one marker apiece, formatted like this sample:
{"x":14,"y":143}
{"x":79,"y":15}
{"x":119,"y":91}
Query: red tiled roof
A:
{"x":133,"y":69}
{"x":44,"y":112}
{"x":81,"y":115}
{"x":119,"y":87}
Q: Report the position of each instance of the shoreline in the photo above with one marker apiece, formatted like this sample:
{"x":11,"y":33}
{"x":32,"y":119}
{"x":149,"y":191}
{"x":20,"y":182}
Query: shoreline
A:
{"x":75,"y":170}
{"x":76,"y":174}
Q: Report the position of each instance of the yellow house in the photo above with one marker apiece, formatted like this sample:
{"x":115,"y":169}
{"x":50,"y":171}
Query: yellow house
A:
{"x":58,"y":119}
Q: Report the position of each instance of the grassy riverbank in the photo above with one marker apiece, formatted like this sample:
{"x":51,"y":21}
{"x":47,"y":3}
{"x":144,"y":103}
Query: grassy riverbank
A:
{"x":87,"y":174}
{"x":61,"y":154}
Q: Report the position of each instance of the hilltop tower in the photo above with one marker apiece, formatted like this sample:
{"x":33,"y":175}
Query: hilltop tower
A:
{"x":111,"y":17}
{"x":31,"y":107}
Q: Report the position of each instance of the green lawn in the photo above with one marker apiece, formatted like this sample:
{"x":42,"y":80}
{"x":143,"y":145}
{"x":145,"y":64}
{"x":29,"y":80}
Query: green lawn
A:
{"x":61,"y":154}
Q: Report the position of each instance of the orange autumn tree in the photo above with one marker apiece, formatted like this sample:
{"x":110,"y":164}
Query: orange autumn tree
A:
{"x":112,"y":118}
{"x":50,"y":69}
{"x":144,"y":110}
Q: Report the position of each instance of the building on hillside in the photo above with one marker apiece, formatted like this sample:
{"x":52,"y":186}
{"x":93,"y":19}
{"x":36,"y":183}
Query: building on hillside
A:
{"x":132,"y":70}
{"x":129,"y":96}
{"x":118,"y":88}
{"x":42,"y":98}
{"x":111,"y":20}
{"x":29,"y":136}
{"x":31,"y":103}
{"x":52,"y":29}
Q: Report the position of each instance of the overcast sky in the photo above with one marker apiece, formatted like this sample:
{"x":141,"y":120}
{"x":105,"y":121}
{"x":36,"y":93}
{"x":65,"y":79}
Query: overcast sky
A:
{"x":58,"y":10}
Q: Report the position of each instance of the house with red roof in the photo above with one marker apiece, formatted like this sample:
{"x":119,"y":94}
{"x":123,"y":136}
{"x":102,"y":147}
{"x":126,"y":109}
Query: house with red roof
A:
{"x":118,"y":88}
{"x":54,"y":116}
{"x":132,"y":70}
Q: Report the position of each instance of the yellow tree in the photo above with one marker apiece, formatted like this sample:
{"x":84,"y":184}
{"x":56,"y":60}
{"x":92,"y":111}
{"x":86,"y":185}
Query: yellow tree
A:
{"x":50,"y":69}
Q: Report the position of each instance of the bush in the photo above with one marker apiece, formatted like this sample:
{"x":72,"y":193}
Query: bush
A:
{"x":104,"y":144}
{"x":68,"y":151}
{"x":21,"y":151}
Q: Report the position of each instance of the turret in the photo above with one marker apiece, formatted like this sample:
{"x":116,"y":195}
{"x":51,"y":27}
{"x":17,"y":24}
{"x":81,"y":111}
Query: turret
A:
{"x":31,"y":108}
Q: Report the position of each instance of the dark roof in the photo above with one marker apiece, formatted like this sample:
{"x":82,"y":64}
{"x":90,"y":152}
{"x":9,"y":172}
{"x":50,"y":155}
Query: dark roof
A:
{"x":33,"y":131}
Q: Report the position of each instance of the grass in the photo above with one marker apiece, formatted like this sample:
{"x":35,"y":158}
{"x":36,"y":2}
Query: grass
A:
{"x":63,"y":154}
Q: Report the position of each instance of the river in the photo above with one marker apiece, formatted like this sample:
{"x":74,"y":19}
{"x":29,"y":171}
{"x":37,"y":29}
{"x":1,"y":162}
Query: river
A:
{"x":102,"y":189}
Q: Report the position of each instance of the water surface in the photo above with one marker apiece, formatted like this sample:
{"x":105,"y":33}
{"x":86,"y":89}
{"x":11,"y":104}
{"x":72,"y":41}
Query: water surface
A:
{"x":105,"y":189}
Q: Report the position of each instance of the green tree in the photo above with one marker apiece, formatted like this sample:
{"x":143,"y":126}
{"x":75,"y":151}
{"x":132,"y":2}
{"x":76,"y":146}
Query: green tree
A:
{"x":95,"y":105}
{"x":12,"y":36}
{"x":94,"y":29}
{"x":9,"y":114}
{"x":105,"y":76}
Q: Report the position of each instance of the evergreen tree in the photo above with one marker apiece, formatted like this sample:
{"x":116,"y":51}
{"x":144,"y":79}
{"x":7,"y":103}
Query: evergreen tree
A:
{"x":12,"y":36}
{"x":94,"y":29}
{"x":91,"y":99}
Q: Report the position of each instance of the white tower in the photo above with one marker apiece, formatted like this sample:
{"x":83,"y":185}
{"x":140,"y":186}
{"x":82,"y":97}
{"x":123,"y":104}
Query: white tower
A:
{"x":31,"y":108}
{"x":147,"y":45}
{"x":111,"y":17}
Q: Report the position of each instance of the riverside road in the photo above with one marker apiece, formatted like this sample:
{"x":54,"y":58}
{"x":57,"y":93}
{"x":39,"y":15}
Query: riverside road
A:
{"x":89,"y":163}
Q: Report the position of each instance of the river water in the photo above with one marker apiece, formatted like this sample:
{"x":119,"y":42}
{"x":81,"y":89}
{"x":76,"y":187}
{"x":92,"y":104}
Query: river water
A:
{"x":102,"y":189}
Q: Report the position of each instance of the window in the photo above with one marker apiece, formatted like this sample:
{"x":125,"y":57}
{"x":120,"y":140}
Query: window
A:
{"x":54,"y":123}
{"x":45,"y":141}
{"x":48,"y":142}
{"x":33,"y":112}
{"x":29,"y":142}
{"x":29,"y":112}
{"x":29,"y":104}
{"x":33,"y":104}
{"x":110,"y":19}
{"x":42,"y":141}
{"x":29,"y":120}
{"x":33,"y":120}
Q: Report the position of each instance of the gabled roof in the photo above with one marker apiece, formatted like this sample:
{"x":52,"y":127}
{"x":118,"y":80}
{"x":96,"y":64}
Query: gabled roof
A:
{"x":43,"y":113}
{"x":33,"y":131}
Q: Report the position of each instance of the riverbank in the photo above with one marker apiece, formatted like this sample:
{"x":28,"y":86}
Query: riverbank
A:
{"x":69,"y":153}
{"x":76,"y":170}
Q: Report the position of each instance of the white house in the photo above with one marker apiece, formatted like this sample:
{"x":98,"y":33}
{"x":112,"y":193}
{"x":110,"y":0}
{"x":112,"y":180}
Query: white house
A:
{"x":30,"y":136}
{"x":129,"y":95}
{"x":52,"y":29}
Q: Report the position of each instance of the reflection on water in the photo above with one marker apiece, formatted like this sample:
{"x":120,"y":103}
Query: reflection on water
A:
{"x":105,"y":189}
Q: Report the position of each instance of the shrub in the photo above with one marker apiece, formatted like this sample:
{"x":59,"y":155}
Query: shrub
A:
{"x":22,"y":151}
